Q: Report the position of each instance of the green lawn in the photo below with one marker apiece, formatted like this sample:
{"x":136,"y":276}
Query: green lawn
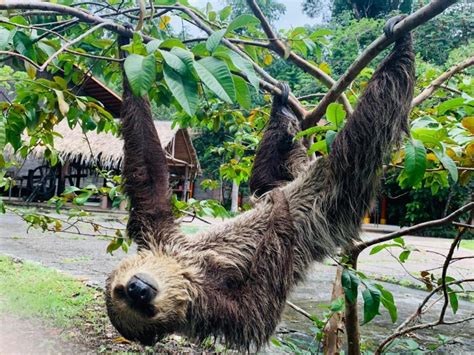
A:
{"x":467,"y":244}
{"x":28,"y":289}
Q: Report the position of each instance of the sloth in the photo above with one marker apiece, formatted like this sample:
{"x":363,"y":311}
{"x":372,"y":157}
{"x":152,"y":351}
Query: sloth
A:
{"x":279,"y":157}
{"x":232,"y":280}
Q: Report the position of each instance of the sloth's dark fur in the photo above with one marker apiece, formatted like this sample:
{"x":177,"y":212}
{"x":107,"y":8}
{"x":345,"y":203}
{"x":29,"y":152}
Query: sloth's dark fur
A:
{"x":232,"y":280}
{"x":279,"y":157}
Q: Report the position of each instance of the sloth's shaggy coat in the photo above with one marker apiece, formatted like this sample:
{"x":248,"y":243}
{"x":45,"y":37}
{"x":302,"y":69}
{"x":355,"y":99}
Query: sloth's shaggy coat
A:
{"x":232,"y":281}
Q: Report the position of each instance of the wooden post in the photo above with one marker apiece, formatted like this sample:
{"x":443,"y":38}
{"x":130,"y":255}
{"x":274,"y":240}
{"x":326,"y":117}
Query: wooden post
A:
{"x":186,"y":182}
{"x":383,"y":212}
{"x":62,"y":178}
{"x":78,"y":178}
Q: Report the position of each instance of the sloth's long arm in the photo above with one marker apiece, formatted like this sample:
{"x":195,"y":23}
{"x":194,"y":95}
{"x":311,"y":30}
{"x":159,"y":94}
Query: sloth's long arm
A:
{"x":377,"y":123}
{"x":145,"y":169}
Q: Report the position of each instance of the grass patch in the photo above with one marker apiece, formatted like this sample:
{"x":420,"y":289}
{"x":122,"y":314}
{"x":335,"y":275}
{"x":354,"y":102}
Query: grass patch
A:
{"x":28,"y":289}
{"x":467,"y":244}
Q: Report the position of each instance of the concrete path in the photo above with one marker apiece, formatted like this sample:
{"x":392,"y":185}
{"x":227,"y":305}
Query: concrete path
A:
{"x":86,"y":258}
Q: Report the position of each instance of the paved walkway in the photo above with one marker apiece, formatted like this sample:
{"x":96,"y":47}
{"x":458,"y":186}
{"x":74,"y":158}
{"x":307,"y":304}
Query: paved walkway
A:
{"x":85,"y":257}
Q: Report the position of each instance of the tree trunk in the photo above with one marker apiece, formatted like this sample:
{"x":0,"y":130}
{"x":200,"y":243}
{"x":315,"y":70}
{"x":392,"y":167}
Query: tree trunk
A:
{"x":333,"y":331}
{"x":352,"y":316}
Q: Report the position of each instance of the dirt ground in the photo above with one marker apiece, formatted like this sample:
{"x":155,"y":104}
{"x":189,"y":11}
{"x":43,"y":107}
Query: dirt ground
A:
{"x":85,"y":257}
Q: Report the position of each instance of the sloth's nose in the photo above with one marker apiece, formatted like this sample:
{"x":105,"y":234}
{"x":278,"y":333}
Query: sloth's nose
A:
{"x":141,"y":290}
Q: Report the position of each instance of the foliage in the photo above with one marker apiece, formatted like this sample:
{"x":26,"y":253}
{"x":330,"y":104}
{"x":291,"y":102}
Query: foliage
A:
{"x":358,"y":8}
{"x":272,"y":9}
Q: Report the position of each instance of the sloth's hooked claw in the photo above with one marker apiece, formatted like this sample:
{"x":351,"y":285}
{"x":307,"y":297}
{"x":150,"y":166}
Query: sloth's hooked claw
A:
{"x":390,"y":24}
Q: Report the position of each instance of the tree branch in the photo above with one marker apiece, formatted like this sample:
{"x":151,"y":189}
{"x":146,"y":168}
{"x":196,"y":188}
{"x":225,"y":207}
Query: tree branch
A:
{"x":26,"y":59}
{"x":412,"y":21}
{"x":435,"y":84}
{"x":404,"y":231}
{"x":284,"y":52}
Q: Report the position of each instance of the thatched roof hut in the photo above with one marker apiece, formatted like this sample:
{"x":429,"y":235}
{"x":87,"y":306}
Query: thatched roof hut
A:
{"x":106,"y":150}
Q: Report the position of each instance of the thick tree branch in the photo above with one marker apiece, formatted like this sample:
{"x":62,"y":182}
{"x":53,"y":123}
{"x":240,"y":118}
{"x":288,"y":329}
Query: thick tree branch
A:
{"x":412,"y":21}
{"x":404,"y":231}
{"x":437,"y":83}
{"x":283,"y":51}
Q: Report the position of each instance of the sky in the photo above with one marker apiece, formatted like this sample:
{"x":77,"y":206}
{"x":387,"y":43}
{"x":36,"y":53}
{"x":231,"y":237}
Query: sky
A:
{"x":294,"y":16}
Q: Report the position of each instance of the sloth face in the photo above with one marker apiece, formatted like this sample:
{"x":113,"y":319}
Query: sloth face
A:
{"x":147,"y":297}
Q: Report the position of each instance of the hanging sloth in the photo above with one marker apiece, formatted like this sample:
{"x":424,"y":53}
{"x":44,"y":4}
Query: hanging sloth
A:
{"x":232,"y":280}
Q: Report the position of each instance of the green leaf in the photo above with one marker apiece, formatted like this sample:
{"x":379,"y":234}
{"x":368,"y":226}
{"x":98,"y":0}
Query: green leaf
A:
{"x":141,"y":73}
{"x":216,"y":76}
{"x":404,"y":255}
{"x":381,"y":247}
{"x":415,"y":161}
{"x":337,"y":305}
{"x":244,"y":20}
{"x":371,"y":297}
{"x":225,"y":12}
{"x":399,"y":240}
{"x":450,"y":105}
{"x":319,"y":146}
{"x":174,"y":62}
{"x":242,"y":92}
{"x":3,"y":137}
{"x":185,"y":55}
{"x":2,"y":206}
{"x":82,"y":198}
{"x":448,"y":163}
{"x":335,"y":114}
{"x":388,"y":302}
{"x":276,"y":342}
{"x":4,"y":38}
{"x":313,"y":130}
{"x":350,"y":283}
{"x":184,"y":89}
{"x":24,"y":45}
{"x":246,"y":67}
{"x":62,"y":104}
{"x":153,"y":45}
{"x":453,"y":301}
{"x":330,"y":137}
{"x":214,"y":40}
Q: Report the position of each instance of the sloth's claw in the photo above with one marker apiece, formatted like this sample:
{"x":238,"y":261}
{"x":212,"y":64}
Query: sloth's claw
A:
{"x":390,"y":24}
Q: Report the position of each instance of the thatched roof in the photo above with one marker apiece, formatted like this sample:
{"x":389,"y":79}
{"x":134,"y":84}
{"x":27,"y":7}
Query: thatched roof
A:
{"x":106,"y":150}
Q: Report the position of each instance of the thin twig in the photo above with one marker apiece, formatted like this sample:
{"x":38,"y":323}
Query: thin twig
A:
{"x":408,"y":230}
{"x":70,"y":43}
{"x":441,"y":79}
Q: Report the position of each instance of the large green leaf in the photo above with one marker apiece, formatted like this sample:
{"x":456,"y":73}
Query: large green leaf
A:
{"x":388,"y":302}
{"x":174,"y":62}
{"x":141,"y":73}
{"x":185,"y":55}
{"x":184,"y":89}
{"x":371,"y":297}
{"x":335,"y":114}
{"x":214,"y":40}
{"x":448,"y":163}
{"x":24,"y":45}
{"x":244,"y":20}
{"x":242,"y":92}
{"x":217,"y":77}
{"x":415,"y":161}
{"x":246,"y":67}
{"x":450,"y":105}
{"x":350,"y":283}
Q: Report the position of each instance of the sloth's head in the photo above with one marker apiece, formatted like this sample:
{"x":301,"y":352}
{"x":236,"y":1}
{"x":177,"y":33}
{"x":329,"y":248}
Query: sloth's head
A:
{"x":148,"y":296}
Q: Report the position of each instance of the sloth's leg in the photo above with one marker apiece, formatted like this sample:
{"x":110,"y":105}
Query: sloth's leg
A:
{"x":377,"y":123}
{"x":145,"y":172}
{"x":279,"y":158}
